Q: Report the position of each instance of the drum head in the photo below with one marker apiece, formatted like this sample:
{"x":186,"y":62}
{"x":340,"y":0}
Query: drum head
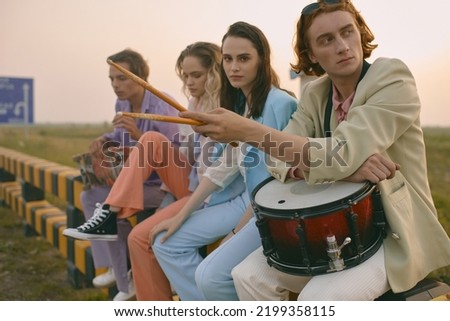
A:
{"x":297,"y":195}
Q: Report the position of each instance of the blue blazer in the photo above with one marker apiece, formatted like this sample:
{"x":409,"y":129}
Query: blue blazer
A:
{"x":277,"y":111}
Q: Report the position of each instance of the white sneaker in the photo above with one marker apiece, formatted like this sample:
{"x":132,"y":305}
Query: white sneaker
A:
{"x":105,"y":280}
{"x":131,"y":295}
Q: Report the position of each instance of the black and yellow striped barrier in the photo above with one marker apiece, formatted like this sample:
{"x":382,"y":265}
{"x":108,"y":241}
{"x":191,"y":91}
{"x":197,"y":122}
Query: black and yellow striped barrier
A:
{"x":25,"y":181}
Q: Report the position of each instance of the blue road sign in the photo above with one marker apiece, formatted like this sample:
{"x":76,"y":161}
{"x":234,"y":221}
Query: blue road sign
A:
{"x":16,"y":100}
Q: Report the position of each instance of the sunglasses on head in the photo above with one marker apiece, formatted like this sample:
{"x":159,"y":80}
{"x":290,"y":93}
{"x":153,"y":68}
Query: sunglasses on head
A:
{"x":310,"y":8}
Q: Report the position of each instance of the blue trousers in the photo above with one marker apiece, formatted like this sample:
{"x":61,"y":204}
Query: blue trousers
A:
{"x":179,"y":256}
{"x":213,"y":275}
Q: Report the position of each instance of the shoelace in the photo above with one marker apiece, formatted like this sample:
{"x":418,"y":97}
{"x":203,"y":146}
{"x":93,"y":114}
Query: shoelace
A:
{"x":99,"y":215}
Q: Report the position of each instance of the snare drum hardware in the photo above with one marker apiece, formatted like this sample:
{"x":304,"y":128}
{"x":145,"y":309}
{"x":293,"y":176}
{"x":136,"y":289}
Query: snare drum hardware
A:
{"x":317,"y":229}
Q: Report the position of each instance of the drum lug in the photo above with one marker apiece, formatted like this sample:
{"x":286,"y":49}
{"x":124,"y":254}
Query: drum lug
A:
{"x":303,"y":245}
{"x":266,"y":239}
{"x":334,"y":253}
{"x":378,"y":212}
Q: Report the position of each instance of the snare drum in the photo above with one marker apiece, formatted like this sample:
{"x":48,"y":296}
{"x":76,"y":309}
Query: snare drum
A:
{"x":101,"y":171}
{"x":317,"y":229}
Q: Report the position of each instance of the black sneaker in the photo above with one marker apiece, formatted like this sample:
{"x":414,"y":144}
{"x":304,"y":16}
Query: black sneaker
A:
{"x":101,"y":226}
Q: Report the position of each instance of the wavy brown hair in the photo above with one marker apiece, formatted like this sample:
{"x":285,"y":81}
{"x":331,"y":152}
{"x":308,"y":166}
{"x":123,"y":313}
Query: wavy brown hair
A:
{"x":301,"y":47}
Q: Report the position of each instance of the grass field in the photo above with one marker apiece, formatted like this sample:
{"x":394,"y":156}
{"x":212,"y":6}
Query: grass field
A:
{"x":30,"y":269}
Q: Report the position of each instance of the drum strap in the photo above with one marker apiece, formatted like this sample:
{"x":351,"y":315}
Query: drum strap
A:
{"x":329,"y":107}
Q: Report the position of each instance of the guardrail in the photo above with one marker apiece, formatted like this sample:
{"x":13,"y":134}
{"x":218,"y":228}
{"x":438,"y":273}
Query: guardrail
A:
{"x":46,"y":196}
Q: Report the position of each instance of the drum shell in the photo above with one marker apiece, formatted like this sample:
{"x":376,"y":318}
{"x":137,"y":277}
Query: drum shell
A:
{"x":295,"y":240}
{"x":316,"y":227}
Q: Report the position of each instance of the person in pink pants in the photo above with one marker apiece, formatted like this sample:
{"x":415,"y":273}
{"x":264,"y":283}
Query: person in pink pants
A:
{"x":131,"y":97}
{"x":198,"y":66}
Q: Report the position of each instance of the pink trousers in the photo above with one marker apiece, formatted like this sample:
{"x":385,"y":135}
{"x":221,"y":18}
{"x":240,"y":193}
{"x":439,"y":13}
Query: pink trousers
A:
{"x":150,"y":282}
{"x":153,"y":153}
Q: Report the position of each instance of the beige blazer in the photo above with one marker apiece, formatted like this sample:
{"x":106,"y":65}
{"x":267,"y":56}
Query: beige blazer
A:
{"x":383,"y":118}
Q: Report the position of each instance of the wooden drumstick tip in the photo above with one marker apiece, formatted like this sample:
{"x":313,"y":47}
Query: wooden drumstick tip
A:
{"x":119,"y":113}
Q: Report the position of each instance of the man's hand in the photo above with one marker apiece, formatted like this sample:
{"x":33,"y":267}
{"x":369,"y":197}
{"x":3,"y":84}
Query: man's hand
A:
{"x":127,"y":123}
{"x":220,"y":124}
{"x":375,"y":169}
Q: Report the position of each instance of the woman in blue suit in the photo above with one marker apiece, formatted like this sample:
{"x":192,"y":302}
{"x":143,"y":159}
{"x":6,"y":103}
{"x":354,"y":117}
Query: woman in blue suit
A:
{"x":250,"y":88}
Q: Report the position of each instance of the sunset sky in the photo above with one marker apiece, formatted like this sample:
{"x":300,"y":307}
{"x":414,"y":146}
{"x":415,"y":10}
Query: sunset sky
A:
{"x":63,"y":45}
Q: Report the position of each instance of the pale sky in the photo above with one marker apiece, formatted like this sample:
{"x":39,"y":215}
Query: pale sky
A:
{"x":63,"y":45}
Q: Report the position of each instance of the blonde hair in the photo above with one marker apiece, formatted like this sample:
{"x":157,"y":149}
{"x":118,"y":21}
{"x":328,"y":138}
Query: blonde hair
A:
{"x":210,"y":57}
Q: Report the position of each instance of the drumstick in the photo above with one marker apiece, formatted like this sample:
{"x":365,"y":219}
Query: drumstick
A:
{"x":147,"y":86}
{"x":159,"y":94}
{"x":169,"y":119}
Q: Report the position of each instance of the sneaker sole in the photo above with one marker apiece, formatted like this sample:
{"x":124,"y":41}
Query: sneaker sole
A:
{"x":101,"y":285}
{"x":125,"y":297}
{"x":85,"y":236}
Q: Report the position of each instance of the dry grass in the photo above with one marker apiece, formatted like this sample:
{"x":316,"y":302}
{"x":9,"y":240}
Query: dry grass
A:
{"x":57,"y":143}
{"x":32,"y":270}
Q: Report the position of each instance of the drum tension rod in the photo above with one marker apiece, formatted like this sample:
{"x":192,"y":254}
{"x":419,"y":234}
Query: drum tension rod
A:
{"x":302,"y":243}
{"x":353,"y":224}
{"x":264,"y":233}
{"x":379,"y":218}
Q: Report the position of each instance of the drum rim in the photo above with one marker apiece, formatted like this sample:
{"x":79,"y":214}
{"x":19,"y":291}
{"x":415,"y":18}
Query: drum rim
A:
{"x":312,"y":211}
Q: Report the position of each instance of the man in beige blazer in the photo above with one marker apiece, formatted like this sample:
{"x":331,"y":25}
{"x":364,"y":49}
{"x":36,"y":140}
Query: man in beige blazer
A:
{"x":376,"y":136}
